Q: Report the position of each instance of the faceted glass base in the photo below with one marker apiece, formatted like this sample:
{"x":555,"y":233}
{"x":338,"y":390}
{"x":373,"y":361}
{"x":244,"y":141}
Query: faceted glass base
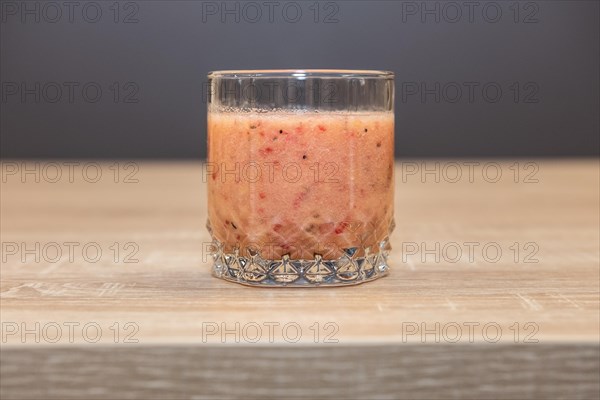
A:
{"x":256,"y":271}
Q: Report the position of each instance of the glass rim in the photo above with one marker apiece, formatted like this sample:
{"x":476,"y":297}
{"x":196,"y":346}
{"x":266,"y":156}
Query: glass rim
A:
{"x":302,"y":73}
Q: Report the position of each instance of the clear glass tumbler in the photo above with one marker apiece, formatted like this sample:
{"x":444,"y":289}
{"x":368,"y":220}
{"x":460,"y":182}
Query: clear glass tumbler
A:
{"x":300,"y":175}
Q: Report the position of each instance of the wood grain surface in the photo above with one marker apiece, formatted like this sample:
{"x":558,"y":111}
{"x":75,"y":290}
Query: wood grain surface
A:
{"x":493,"y":291}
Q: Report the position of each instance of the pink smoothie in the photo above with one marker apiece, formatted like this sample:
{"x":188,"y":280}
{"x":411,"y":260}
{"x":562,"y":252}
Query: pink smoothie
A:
{"x":300,"y":183}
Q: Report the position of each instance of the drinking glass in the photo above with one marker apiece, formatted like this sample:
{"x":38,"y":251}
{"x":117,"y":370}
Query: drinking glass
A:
{"x":300,"y":176}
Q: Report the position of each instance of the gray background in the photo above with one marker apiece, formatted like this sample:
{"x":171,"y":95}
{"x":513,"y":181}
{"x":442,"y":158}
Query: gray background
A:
{"x":551,"y":53}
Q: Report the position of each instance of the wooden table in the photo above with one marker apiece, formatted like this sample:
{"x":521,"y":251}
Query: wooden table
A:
{"x":455,"y":318}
